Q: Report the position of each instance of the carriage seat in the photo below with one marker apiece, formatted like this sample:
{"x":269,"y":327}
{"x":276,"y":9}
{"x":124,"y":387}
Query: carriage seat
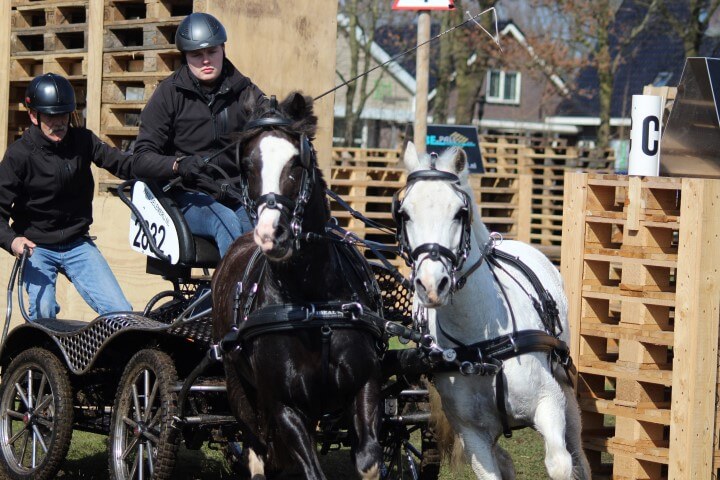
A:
{"x":195,"y":251}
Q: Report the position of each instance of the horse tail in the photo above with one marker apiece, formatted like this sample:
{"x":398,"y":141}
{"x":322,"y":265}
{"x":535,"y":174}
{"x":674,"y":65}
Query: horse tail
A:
{"x":449,"y":444}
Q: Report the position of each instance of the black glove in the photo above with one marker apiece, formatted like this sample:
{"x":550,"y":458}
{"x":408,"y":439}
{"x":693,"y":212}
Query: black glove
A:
{"x":190,"y":167}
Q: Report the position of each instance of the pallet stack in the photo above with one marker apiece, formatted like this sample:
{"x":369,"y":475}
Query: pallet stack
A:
{"x":504,"y":202}
{"x":366,"y":179}
{"x":138,"y":52}
{"x":640,"y":260}
{"x":47,"y":36}
{"x":545,"y":161}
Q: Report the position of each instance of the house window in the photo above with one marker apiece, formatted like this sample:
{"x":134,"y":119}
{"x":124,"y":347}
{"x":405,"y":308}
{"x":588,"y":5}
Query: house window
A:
{"x":503,"y":87}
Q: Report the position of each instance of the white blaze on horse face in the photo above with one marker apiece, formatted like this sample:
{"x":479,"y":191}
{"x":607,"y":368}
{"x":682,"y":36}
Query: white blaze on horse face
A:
{"x":431,"y":207}
{"x":275,"y":153}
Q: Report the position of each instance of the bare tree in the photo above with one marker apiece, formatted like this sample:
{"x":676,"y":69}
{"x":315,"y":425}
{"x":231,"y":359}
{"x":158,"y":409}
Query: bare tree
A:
{"x":464,"y":57}
{"x":691,"y":28}
{"x":597,"y":39}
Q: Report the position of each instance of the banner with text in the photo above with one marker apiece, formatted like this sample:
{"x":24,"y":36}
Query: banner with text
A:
{"x":442,"y":137}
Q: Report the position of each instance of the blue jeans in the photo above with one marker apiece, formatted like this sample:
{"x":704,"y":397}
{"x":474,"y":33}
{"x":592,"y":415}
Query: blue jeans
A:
{"x":83,"y":264}
{"x":211,"y":219}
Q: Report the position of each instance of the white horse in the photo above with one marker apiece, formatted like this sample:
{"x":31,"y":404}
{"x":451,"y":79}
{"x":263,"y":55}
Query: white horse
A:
{"x":484,"y":298}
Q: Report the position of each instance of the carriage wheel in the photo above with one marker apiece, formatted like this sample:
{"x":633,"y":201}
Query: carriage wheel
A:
{"x":142,"y":443}
{"x":404,"y":461}
{"x":36,"y":416}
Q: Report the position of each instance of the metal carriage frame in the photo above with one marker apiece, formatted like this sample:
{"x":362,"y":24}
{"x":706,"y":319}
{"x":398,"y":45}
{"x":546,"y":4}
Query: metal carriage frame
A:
{"x":123,"y":373}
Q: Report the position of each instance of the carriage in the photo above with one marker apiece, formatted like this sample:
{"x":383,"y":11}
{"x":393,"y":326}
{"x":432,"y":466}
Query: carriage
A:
{"x":150,"y":379}
{"x":214,"y":359}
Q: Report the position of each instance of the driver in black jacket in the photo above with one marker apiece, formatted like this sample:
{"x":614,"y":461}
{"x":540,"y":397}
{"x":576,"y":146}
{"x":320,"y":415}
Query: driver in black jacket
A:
{"x":190,"y":116}
{"x":46,"y":189}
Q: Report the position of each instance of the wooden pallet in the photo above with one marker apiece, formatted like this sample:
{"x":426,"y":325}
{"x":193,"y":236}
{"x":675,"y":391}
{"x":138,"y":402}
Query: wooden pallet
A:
{"x":140,"y":35}
{"x":117,"y":11}
{"x":161,"y":63}
{"x":637,"y":256}
{"x":371,"y":157}
{"x":72,"y":66}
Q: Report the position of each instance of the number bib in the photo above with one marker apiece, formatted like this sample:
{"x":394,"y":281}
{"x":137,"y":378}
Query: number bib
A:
{"x":158,"y":221}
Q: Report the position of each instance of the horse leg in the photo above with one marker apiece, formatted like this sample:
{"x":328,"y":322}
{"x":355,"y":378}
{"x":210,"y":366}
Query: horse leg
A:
{"x":296,"y":437}
{"x":573,"y":438}
{"x":505,"y":462}
{"x":480,"y":451}
{"x":368,"y":453}
{"x":243,"y":411}
{"x":549,"y":420}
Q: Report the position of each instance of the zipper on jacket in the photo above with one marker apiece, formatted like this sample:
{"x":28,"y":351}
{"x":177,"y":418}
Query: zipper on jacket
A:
{"x":213,"y":118}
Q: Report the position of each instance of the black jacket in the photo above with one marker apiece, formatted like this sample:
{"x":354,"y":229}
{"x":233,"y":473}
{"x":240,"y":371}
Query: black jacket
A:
{"x":181,"y":119}
{"x":47,"y":187}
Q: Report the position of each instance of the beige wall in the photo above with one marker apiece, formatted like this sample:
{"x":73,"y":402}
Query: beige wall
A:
{"x":284,"y":46}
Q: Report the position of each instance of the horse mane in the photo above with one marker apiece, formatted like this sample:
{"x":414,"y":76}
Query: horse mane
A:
{"x":296,"y":107}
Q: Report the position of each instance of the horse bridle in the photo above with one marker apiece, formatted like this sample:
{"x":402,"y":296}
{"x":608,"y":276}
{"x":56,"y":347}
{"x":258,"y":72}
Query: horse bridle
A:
{"x":453,"y":261}
{"x":276,"y":201}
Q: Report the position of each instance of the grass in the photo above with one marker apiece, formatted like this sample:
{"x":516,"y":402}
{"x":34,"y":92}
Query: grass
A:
{"x":88,"y":460}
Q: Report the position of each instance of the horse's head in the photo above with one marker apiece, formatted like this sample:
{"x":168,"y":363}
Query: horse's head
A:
{"x":433,"y":213}
{"x":281,"y":181}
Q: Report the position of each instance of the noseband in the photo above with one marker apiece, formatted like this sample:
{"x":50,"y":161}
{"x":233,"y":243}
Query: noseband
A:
{"x":453,"y":261}
{"x":291,"y":210}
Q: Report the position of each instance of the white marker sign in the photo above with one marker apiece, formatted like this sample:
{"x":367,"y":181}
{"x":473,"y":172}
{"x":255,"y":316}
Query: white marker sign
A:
{"x":646,"y":118}
{"x":423,"y":5}
{"x":158,"y":221}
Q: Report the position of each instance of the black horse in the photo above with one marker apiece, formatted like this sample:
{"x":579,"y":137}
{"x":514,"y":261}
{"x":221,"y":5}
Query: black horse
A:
{"x":293,"y":306}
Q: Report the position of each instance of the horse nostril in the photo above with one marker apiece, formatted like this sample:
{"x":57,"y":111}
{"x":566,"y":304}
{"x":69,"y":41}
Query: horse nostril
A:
{"x":443,"y":284}
{"x":419,"y":285}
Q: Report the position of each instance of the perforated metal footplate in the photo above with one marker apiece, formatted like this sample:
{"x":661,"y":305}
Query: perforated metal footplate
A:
{"x":82,"y":344}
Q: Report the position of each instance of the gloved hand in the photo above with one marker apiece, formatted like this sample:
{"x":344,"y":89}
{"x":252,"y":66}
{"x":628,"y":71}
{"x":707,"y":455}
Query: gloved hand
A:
{"x":190,"y":167}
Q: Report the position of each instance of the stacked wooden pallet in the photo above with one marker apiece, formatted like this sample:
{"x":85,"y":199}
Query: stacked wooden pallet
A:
{"x":640,"y":262}
{"x":138,"y":52}
{"x":546,"y":162}
{"x":366,"y":179}
{"x":504,"y":203}
{"x":46,"y":36}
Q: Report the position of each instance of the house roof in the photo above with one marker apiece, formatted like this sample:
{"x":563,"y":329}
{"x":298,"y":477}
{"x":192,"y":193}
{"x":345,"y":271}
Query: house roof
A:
{"x":382,"y":56}
{"x":395,"y":39}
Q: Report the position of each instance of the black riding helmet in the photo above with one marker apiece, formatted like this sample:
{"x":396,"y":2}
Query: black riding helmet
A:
{"x":199,"y":30}
{"x":50,"y":94}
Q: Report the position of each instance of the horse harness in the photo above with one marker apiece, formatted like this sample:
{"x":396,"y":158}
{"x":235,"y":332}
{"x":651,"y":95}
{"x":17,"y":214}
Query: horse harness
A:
{"x":485,"y":357}
{"x":250,"y":322}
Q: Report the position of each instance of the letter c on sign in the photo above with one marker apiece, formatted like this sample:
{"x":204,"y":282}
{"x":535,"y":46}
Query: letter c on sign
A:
{"x":650,"y":150}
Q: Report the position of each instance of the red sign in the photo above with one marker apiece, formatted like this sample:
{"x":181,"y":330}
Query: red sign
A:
{"x":423,"y":5}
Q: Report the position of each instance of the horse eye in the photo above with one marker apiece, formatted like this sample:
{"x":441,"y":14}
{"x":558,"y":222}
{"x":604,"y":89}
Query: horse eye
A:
{"x":459,"y":215}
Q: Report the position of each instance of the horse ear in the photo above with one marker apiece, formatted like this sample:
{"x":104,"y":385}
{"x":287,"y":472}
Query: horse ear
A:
{"x":454,"y":160}
{"x":411,"y":160}
{"x":297,"y":105}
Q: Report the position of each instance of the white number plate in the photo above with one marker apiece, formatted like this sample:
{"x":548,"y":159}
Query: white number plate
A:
{"x":161,"y":227}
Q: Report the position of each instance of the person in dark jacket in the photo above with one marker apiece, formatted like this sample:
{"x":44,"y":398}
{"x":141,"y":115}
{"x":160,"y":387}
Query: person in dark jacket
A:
{"x":188,"y":118}
{"x":46,"y":189}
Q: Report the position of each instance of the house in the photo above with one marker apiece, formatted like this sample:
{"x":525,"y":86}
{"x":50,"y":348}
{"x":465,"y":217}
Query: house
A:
{"x":390,"y":106}
{"x":532,"y":101}
{"x":513,"y":100}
